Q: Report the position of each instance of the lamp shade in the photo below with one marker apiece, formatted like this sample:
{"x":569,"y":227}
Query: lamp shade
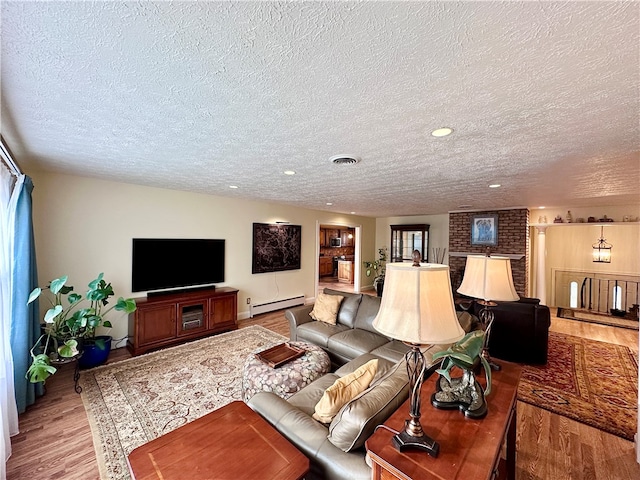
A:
{"x":417,"y":305}
{"x":488,"y":278}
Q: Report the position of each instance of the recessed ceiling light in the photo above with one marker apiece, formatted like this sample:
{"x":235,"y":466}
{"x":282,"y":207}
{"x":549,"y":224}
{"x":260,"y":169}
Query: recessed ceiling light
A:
{"x":442,"y":132}
{"x":233,"y":186}
{"x":289,"y":172}
{"x":329,"y":204}
{"x":541,"y":207}
{"x":495,"y":185}
{"x":352,"y":213}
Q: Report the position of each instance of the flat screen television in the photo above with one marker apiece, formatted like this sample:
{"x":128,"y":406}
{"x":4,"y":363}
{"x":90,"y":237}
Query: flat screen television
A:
{"x":166,"y":263}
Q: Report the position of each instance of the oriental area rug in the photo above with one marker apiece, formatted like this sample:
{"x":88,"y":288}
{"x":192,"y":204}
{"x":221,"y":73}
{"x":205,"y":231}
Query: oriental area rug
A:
{"x":592,"y":382}
{"x":131,"y":402}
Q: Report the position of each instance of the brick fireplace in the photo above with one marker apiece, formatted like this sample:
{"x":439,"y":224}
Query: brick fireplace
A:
{"x":513,"y":240}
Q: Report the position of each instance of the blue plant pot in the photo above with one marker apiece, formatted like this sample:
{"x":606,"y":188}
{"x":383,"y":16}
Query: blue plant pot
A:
{"x":93,"y":355}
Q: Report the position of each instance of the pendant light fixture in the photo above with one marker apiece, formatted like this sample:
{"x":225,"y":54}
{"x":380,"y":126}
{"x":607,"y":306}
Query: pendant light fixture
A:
{"x":602,"y":249}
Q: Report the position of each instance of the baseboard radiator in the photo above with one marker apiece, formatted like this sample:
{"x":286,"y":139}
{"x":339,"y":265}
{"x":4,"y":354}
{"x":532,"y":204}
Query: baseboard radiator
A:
{"x":277,"y":305}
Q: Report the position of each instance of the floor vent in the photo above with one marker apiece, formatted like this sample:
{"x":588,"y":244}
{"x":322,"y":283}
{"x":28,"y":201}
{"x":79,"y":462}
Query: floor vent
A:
{"x":277,"y":305}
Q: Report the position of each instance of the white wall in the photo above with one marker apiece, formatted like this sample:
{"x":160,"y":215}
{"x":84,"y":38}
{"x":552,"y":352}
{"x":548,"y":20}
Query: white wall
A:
{"x":569,"y":247}
{"x":84,"y":226}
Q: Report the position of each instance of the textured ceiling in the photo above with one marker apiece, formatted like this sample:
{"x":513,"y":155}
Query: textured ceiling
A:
{"x":543,"y":98}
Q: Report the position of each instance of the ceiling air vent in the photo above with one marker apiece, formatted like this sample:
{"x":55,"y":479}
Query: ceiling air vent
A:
{"x":344,"y":159}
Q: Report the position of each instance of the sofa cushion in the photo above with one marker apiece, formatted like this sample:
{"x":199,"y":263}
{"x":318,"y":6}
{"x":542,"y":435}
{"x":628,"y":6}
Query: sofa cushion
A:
{"x":348,"y":307}
{"x":535,"y":301}
{"x":394,"y":351}
{"x":356,"y":421}
{"x":429,"y":351}
{"x":343,"y":390}
{"x":307,"y":398}
{"x":352,"y":343}
{"x":367,"y":311}
{"x":318,"y":333}
{"x":520,"y":332}
{"x":383,"y":365}
{"x":326,"y":308}
{"x":310,"y":437}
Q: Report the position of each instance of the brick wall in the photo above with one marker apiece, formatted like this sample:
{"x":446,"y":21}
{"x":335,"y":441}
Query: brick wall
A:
{"x":513,"y":238}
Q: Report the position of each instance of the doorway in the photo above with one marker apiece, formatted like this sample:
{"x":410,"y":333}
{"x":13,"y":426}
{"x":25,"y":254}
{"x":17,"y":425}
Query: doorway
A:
{"x":338,"y":267}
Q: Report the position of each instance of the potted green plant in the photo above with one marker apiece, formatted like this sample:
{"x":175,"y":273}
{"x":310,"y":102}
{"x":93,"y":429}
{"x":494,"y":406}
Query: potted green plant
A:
{"x":70,"y":324}
{"x":377,"y":268}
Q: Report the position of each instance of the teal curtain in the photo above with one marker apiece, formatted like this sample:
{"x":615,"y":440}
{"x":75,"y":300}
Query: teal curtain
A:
{"x":25,"y":326}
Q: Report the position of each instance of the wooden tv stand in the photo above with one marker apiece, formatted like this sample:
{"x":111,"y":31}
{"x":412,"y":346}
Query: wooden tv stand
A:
{"x":168,"y":319}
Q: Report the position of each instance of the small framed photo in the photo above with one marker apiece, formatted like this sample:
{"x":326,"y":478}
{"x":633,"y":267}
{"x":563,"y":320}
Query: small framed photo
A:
{"x":484,"y":230}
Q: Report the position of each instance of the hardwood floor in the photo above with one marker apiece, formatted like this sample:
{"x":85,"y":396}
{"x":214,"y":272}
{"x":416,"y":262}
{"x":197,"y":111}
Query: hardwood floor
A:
{"x":554,"y":447}
{"x":55,"y":439}
{"x":332,"y":282}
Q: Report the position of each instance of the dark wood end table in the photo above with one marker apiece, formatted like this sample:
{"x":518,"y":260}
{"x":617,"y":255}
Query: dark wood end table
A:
{"x":469,"y":449}
{"x":230,"y":443}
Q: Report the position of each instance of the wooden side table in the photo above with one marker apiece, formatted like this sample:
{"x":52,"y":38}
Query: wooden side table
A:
{"x":469,"y":449}
{"x":230,"y":443}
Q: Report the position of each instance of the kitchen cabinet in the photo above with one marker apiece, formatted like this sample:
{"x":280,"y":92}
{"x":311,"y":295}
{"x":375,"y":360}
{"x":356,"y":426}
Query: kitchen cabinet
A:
{"x":348,"y":237}
{"x":332,"y":233}
{"x":323,"y":238}
{"x":326,"y":266}
{"x":345,"y":271}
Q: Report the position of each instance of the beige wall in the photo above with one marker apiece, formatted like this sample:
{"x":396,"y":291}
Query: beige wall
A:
{"x":569,"y":247}
{"x":84,"y":226}
{"x":438,"y":230}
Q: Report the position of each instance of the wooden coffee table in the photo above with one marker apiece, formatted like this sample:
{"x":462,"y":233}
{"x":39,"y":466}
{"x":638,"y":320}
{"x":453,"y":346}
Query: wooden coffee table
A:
{"x":230,"y":443}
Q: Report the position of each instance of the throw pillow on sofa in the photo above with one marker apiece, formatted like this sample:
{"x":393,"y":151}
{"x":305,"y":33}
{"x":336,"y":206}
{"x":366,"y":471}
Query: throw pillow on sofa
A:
{"x":343,"y":390}
{"x":326,"y":308}
{"x":358,"y":418}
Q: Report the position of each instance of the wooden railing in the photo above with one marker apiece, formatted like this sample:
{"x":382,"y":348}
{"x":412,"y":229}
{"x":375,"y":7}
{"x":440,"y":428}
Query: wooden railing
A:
{"x":603,"y":295}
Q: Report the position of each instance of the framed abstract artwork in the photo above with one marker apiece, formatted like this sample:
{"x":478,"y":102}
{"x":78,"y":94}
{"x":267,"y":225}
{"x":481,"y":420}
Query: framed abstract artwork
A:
{"x":484,"y":230}
{"x":276,"y":247}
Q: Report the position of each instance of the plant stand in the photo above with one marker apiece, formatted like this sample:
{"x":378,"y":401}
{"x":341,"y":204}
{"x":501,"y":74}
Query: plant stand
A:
{"x":76,"y":378}
{"x":76,"y":371}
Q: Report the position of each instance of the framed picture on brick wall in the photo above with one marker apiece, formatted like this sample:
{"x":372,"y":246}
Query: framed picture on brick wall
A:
{"x":484,"y":230}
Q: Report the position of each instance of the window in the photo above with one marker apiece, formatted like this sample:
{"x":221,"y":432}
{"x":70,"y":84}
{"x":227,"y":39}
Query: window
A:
{"x":617,"y":297}
{"x":573,"y":295}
